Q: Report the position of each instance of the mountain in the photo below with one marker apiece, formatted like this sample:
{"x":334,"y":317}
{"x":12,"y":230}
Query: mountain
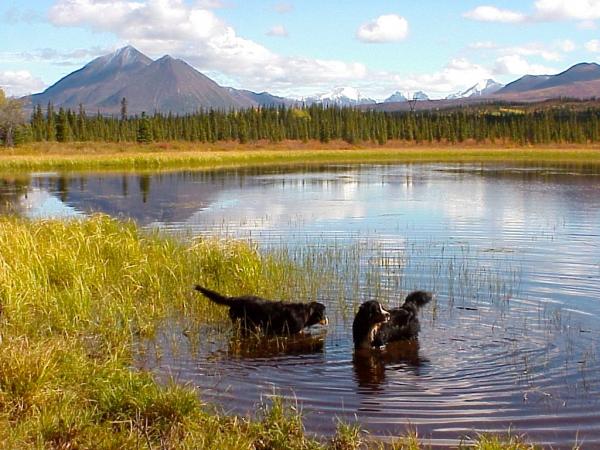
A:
{"x":260,"y":98}
{"x":396,"y":97}
{"x":98,"y":79}
{"x":167,"y":85}
{"x":420,"y":96}
{"x":340,"y":96}
{"x":579,"y":81}
{"x":481,"y":89}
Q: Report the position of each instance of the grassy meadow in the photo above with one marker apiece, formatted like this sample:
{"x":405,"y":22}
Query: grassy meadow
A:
{"x":183,"y":155}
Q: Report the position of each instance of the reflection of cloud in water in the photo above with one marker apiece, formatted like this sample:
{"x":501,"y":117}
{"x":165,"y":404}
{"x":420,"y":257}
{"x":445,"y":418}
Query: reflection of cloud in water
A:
{"x":40,"y":203}
{"x":291,"y":206}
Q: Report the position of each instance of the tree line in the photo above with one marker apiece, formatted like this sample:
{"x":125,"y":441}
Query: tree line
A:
{"x":316,"y":122}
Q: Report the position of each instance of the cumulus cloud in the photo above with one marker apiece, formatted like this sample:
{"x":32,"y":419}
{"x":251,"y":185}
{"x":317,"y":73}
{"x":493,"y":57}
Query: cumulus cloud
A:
{"x":567,"y":9}
{"x":566,"y":45}
{"x":20,"y":82}
{"x":283,"y":7}
{"x":210,"y":4}
{"x":197,"y":35}
{"x":386,"y":28}
{"x":593,"y":46}
{"x":584,"y":11}
{"x":278,"y":31}
{"x":517,"y":65}
{"x":458,"y":74}
{"x":492,"y":14}
{"x":483,"y":45}
{"x":549,"y":52}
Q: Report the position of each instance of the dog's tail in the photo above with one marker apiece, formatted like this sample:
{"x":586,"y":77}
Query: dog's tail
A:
{"x":418,"y":299}
{"x":214,"y":296}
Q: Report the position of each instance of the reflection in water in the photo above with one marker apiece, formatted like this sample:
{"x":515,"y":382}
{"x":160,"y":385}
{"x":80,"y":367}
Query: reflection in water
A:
{"x":252,"y":347}
{"x":370,"y":365}
{"x":510,"y":251}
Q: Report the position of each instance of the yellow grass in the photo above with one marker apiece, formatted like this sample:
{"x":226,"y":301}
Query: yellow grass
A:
{"x":178,"y":155}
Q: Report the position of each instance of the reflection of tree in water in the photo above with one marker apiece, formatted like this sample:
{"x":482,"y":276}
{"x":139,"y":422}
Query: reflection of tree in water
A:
{"x":124,"y":186}
{"x":62,"y":188}
{"x":370,"y":365}
{"x":12,"y":189}
{"x":144,"y":186}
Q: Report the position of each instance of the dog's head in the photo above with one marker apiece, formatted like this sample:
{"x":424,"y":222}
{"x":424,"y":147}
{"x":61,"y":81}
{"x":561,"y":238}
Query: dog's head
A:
{"x":316,"y":314}
{"x":367,"y":321}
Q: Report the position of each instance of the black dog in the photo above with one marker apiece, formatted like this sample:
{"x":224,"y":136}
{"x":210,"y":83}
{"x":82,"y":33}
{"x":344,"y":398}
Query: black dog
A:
{"x":374,"y":326}
{"x":256,"y":314}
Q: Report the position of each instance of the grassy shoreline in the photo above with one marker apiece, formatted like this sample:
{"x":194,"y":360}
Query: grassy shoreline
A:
{"x":181,"y":155}
{"x":74,"y":297}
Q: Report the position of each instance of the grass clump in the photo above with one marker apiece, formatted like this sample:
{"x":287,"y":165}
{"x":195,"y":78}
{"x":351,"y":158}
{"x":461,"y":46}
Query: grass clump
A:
{"x":74,"y":296}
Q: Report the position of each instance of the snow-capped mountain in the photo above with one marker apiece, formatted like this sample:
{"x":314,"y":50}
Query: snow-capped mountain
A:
{"x":396,"y":97}
{"x":420,"y":95}
{"x":340,"y":96}
{"x":481,"y":89}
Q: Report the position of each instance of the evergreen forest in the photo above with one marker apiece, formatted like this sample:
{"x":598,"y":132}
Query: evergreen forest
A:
{"x":318,"y":123}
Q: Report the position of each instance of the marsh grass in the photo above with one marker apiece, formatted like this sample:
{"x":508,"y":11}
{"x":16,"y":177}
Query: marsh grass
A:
{"x":74,"y":296}
{"x":181,"y":155}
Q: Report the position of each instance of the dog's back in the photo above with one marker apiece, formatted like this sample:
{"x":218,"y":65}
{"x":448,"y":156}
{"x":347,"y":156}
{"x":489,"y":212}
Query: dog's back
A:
{"x":270,"y":317}
{"x":404,"y":321}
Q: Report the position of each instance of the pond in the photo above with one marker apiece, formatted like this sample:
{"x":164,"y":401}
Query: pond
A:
{"x":512,"y":253}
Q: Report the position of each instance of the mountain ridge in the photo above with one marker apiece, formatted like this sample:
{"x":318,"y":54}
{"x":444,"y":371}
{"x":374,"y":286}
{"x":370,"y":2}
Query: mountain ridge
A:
{"x":166,"y":85}
{"x":169,"y":84}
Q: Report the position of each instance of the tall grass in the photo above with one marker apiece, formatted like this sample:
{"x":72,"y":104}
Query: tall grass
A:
{"x":178,"y":155}
{"x":73,"y":296}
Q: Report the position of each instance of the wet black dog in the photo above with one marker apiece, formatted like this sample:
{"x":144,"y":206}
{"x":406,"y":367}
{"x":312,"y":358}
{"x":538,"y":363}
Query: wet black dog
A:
{"x":374,"y":326}
{"x":258,"y":315}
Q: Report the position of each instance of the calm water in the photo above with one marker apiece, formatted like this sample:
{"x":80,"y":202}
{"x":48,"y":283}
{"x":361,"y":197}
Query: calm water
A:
{"x":512,"y":252}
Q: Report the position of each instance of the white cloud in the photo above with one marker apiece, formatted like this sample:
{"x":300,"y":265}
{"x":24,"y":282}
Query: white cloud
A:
{"x":566,"y":45}
{"x":198,"y":36}
{"x":457,"y":75}
{"x":210,"y":4}
{"x":517,"y":65}
{"x":492,"y":14}
{"x":483,"y":45}
{"x":278,"y":31}
{"x":593,"y":46}
{"x":386,"y":28}
{"x":283,"y":7}
{"x":20,"y":82}
{"x":533,"y":49}
{"x":567,"y":10}
{"x":549,"y":52}
{"x":585,"y":11}
{"x":586,"y":25}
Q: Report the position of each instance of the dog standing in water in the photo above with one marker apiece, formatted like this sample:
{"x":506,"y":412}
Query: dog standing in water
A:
{"x":257,"y":314}
{"x":375,"y":326}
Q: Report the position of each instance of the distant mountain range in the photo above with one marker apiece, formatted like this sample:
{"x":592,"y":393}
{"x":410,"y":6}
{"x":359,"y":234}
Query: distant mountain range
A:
{"x":580,"y":81}
{"x":171,"y":85}
{"x":340,"y":96}
{"x":482,"y":89}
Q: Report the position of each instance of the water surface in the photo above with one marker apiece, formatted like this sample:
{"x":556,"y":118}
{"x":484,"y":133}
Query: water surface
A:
{"x":512,"y":253}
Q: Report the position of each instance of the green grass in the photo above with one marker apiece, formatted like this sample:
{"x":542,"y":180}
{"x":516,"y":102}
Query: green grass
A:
{"x":177,"y":155}
{"x":74,"y":298}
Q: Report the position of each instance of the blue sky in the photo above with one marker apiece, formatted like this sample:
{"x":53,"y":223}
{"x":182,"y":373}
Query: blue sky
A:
{"x":303,"y":47}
